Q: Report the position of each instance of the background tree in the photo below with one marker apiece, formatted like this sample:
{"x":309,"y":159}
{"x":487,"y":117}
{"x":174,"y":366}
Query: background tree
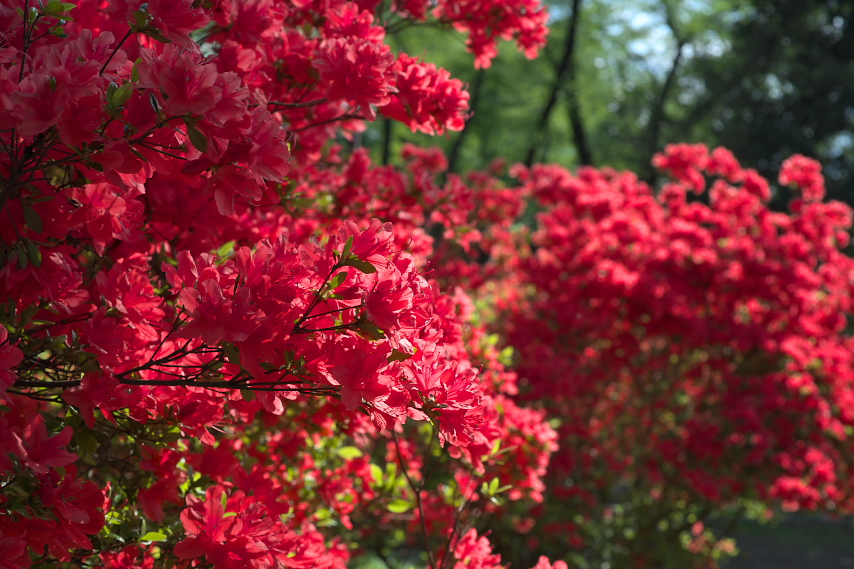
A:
{"x":783,"y":85}
{"x":765,"y":78}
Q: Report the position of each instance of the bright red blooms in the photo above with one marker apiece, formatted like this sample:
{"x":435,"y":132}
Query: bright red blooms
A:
{"x":684,"y":346}
{"x":229,"y":339}
{"x":804,"y":175}
{"x":427,"y":98}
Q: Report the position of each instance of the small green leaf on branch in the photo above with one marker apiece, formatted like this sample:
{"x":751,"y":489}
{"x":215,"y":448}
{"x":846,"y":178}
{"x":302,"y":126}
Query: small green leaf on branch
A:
{"x":398,"y":356}
{"x":370,"y":331}
{"x":349,"y":453}
{"x":34,"y":254}
{"x":121,"y":96}
{"x":399,"y":506}
{"x":364,"y":266}
{"x":32,"y":219}
{"x":232,"y":354}
{"x":347,"y":247}
{"x":86,"y":442}
{"x":198,"y":138}
{"x":338,"y":280}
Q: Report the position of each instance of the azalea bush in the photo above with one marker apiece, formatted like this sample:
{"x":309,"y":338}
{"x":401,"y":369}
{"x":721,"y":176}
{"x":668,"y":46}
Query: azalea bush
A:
{"x":692,"y":345}
{"x":229,"y":339}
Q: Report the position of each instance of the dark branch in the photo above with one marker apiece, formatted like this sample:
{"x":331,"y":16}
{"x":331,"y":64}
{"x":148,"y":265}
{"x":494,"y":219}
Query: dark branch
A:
{"x":657,"y":114}
{"x":562,"y":73}
{"x":454,"y":155}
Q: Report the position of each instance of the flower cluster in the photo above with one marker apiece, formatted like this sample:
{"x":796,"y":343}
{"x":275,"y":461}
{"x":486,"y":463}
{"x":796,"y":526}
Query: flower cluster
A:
{"x":695,"y":350}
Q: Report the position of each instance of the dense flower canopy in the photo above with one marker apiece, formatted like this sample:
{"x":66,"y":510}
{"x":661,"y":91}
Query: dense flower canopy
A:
{"x":229,"y":339}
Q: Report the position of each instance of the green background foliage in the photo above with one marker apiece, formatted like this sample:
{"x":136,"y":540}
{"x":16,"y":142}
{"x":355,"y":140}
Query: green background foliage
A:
{"x":765,"y":78}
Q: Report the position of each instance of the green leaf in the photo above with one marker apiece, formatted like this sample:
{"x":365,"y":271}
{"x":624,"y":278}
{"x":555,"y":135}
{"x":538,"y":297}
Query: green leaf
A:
{"x":226,"y":249}
{"x":347,"y":246}
{"x":302,"y":202}
{"x":364,"y":266}
{"x":349,"y":453}
{"x":337,"y":280}
{"x":156,"y":35}
{"x":26,"y":484}
{"x":154,"y":536}
{"x":376,"y":473}
{"x":370,"y":331}
{"x":195,"y":477}
{"x":89,"y":366}
{"x":171,"y":437}
{"x":34,"y":254}
{"x":398,"y":356}
{"x":223,"y":499}
{"x":53,"y":8}
{"x":111,"y":92}
{"x":23,"y":261}
{"x":198,"y":139}
{"x":31,"y":217}
{"x":232,"y":354}
{"x":399,"y":506}
{"x":86,"y":442}
{"x":140,"y":19}
{"x":506,"y":356}
{"x":138,"y":154}
{"x":121,"y":95}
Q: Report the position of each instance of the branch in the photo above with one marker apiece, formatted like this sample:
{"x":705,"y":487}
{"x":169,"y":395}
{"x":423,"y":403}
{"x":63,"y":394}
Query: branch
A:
{"x":576,"y":123}
{"x":109,"y":59}
{"x":298,"y":105}
{"x":562,"y":73}
{"x":418,"y":501}
{"x":187,"y":382}
{"x":387,"y":132}
{"x":345,"y":116}
{"x":166,"y":361}
{"x":657,"y":114}
{"x":474,"y":97}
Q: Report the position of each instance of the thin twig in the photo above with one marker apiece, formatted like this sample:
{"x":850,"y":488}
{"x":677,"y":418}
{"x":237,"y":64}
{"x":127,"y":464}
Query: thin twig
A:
{"x":109,"y":59}
{"x":418,"y":501}
{"x":299,"y":105}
